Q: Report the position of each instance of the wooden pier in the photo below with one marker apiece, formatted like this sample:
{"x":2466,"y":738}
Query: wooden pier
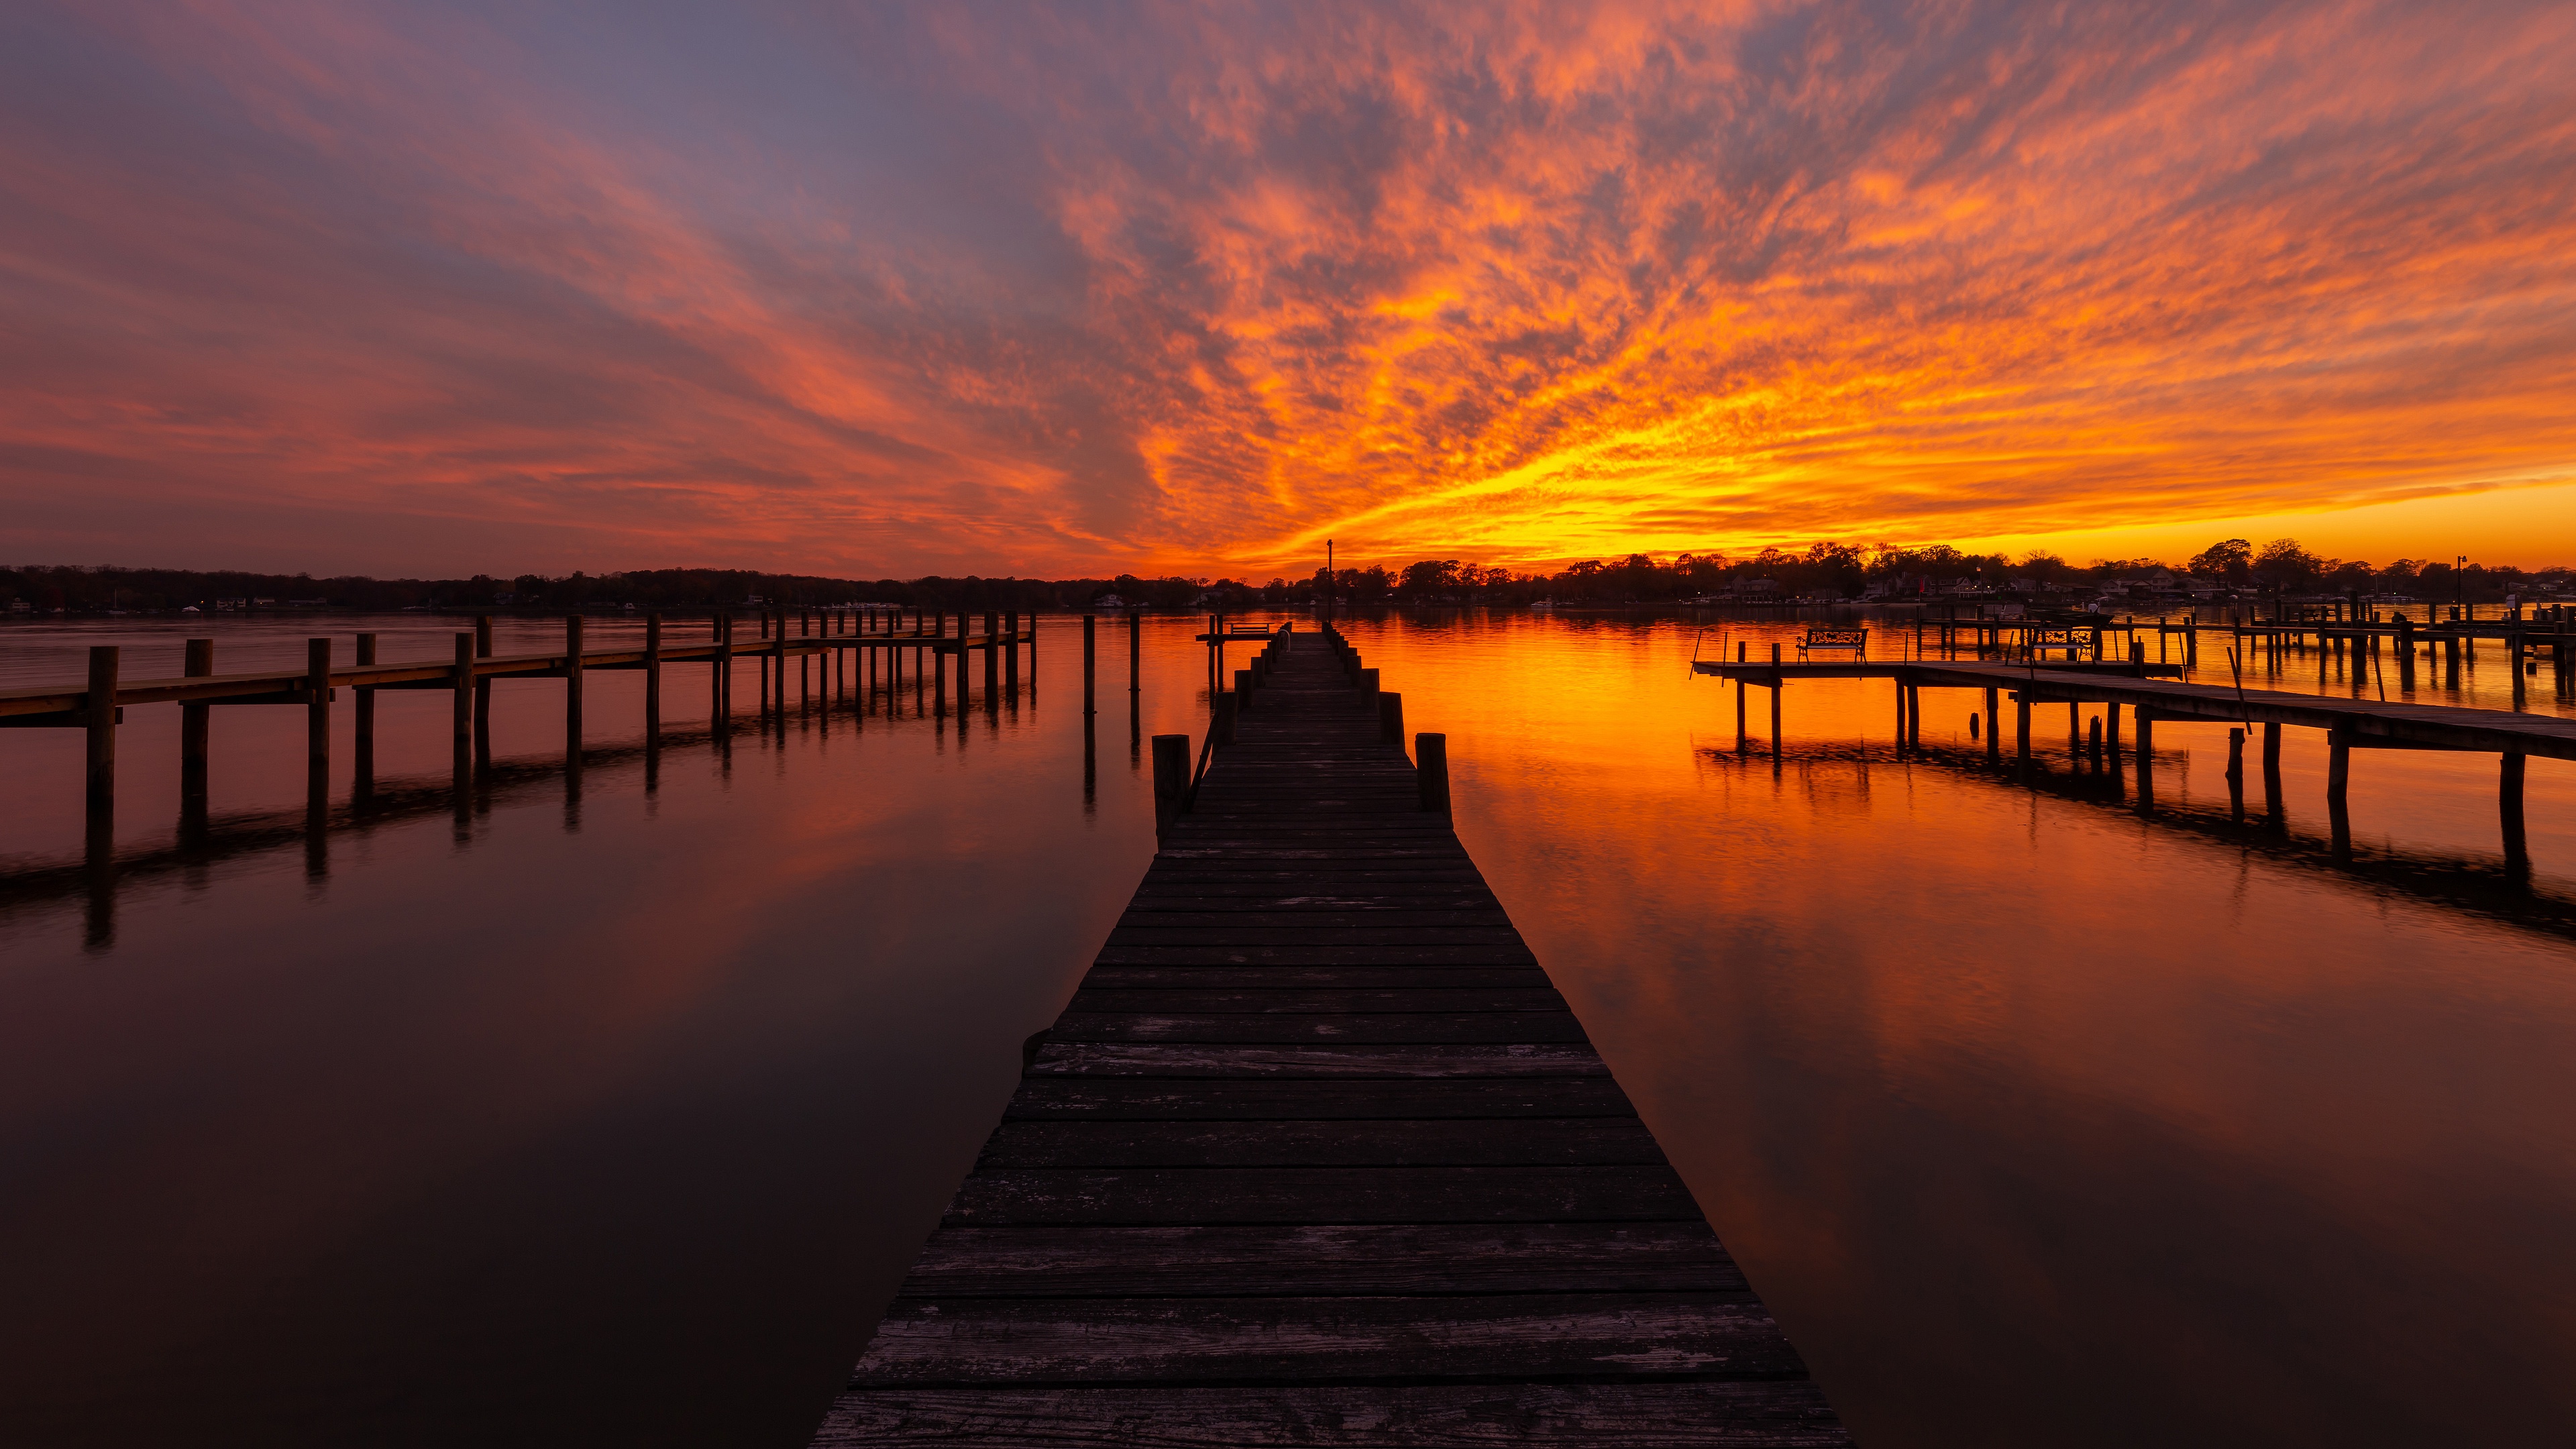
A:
{"x":845,"y":656}
{"x":2348,"y":724}
{"x":1318,"y":1156}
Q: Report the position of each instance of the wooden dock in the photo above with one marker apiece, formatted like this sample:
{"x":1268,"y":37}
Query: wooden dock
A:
{"x":1318,"y":1156}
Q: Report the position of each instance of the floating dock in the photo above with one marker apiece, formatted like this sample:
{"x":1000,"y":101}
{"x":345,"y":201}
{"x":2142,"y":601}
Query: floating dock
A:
{"x":1318,"y":1156}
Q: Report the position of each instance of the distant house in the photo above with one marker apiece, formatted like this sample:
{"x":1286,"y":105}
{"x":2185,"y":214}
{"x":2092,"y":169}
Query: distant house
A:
{"x":1109,"y":601}
{"x":1756,"y":588}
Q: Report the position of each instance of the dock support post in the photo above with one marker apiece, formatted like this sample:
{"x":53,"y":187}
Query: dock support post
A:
{"x":1900,"y":716}
{"x":100,"y":706}
{"x":572,"y":689}
{"x":652,"y":677}
{"x":1090,"y":665}
{"x":482,"y":695}
{"x":1994,"y":728}
{"x":317,"y":709}
{"x":992,"y":665}
{"x":1171,"y":780}
{"x":2021,"y":736}
{"x":1431,"y":770}
{"x":2338,"y":778}
{"x":2236,"y":774}
{"x":1777,"y":684}
{"x":1229,"y":707}
{"x":364,"y":778}
{"x":1390,"y":716}
{"x":1914,"y":717}
{"x":1368,"y":680}
{"x":2517,"y":855}
{"x":1011,"y":652}
{"x":461,"y":725}
{"x":194,"y":720}
{"x":2146,"y":758}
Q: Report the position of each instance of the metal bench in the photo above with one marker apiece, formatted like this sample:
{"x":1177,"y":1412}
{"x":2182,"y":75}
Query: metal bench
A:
{"x":1855,"y":640}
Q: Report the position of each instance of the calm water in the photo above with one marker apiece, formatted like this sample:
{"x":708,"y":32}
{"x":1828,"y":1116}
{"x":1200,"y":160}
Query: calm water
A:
{"x":600,"y":1113}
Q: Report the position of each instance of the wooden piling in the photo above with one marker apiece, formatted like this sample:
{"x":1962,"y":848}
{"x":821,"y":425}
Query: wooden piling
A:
{"x":992,"y":664}
{"x":194,"y":721}
{"x":482,"y":695}
{"x":1431,"y":769}
{"x":2517,"y":852}
{"x":98,"y":704}
{"x":2021,"y":734}
{"x":364,"y":769}
{"x":1390,"y":715}
{"x":464,"y":692}
{"x":2146,"y":722}
{"x":317,"y":705}
{"x":1228,"y":707}
{"x":1171,"y":779}
{"x":1090,"y":665}
{"x":1994,"y":727}
{"x":652,"y":674}
{"x":1775,"y":706}
{"x":1135,"y":651}
{"x":572,"y":688}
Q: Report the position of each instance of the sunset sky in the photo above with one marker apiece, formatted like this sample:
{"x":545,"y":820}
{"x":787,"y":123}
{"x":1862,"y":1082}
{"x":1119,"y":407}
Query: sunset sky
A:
{"x":885,"y":290}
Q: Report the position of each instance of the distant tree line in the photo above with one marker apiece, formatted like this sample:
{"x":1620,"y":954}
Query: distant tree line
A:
{"x":1822,"y":570}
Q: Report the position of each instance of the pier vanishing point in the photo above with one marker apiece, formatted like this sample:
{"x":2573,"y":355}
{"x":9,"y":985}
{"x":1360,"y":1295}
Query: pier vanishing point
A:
{"x":1318,"y":1156}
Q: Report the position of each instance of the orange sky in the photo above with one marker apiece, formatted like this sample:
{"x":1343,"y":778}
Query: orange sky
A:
{"x":886,"y":291}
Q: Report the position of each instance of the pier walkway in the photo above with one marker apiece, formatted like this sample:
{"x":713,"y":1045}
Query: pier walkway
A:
{"x":1318,"y":1156}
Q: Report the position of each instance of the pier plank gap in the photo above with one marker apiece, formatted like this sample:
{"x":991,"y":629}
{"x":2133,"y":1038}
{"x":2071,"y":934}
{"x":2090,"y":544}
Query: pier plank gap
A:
{"x":1317,"y":1155}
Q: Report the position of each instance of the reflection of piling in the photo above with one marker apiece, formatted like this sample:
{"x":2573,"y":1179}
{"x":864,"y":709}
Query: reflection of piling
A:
{"x":2338,"y":778}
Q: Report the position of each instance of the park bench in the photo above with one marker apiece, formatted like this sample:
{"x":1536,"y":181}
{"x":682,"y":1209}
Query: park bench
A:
{"x":1855,"y":640}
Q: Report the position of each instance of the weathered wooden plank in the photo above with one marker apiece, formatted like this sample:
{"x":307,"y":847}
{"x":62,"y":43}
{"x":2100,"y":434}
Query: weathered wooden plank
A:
{"x":1003,"y":1197}
{"x":1306,"y":1260}
{"x":1756,"y":1414}
{"x":1313,"y":1099}
{"x":1397,"y":1142}
{"x":1122,"y":1059}
{"x":1198,"y":1340}
{"x":1258,"y":1027}
{"x":1096,"y":998}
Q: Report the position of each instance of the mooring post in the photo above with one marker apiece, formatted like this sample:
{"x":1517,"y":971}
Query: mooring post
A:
{"x":317,"y":710}
{"x":1390,"y":716}
{"x":652,"y":674}
{"x":482,"y":695}
{"x":464,"y":692}
{"x":1777,"y":685}
{"x":1914,"y":717}
{"x":1090,"y":666}
{"x":2021,"y":735}
{"x":1171,"y":780}
{"x":2517,"y":854}
{"x":1994,"y":727}
{"x":1011,"y":651}
{"x":2146,"y":758}
{"x":193,"y":722}
{"x":99,"y":704}
{"x":1431,"y":771}
{"x":572,"y":688}
{"x":365,"y":719}
{"x":1135,"y":651}
{"x":2236,"y":773}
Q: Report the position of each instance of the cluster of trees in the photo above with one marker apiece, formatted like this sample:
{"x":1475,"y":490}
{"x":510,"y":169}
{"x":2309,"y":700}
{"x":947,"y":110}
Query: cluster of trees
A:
{"x":1823,"y":570}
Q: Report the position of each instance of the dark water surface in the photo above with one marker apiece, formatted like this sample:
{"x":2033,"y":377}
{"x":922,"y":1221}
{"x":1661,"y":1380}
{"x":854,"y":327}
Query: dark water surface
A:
{"x":595,"y":1113}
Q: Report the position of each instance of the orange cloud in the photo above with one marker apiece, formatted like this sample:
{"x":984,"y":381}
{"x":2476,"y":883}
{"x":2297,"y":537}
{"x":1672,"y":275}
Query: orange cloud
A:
{"x":1197,"y":287}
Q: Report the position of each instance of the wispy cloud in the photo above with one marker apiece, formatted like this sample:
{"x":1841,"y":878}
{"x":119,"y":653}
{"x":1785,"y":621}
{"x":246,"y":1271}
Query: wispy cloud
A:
{"x":1043,"y":290}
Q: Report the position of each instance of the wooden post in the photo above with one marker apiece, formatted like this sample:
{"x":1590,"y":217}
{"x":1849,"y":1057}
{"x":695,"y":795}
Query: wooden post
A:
{"x":1743,"y":737}
{"x":1011,"y":652}
{"x":2236,"y":773}
{"x":1777,"y":684}
{"x":992,"y":664}
{"x":99,"y":704}
{"x":2093,"y":746}
{"x":1900,"y":715}
{"x":482,"y":695}
{"x":317,"y":715}
{"x":1090,"y":665}
{"x":1242,"y":690}
{"x":1914,"y":717}
{"x":652,"y":674}
{"x":1390,"y":716}
{"x":2517,"y":854}
{"x":722,"y":675}
{"x":464,"y":722}
{"x":1135,"y":651}
{"x":365,"y":776}
{"x":572,"y":688}
{"x":1368,"y":681}
{"x":2021,"y":735}
{"x":194,"y":720}
{"x":1431,"y":771}
{"x":2146,"y":758}
{"x":1171,"y":780}
{"x":1228,"y":707}
{"x":2513,"y":658}
{"x":1994,"y":728}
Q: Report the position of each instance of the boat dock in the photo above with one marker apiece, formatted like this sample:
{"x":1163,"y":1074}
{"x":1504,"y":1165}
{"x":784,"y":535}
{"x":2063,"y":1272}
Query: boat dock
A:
{"x":1317,"y":1155}
{"x":2348,"y":724}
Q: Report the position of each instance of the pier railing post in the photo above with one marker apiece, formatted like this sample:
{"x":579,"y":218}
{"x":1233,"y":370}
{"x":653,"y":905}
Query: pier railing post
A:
{"x":99,"y":704}
{"x":1431,"y":771}
{"x":1171,"y":780}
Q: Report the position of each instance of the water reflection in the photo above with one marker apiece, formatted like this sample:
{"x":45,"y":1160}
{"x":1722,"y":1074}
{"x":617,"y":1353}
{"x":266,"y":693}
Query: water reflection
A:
{"x":497,"y":1101}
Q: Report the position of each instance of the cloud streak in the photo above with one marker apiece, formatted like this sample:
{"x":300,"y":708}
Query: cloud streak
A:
{"x":1196,"y":286}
